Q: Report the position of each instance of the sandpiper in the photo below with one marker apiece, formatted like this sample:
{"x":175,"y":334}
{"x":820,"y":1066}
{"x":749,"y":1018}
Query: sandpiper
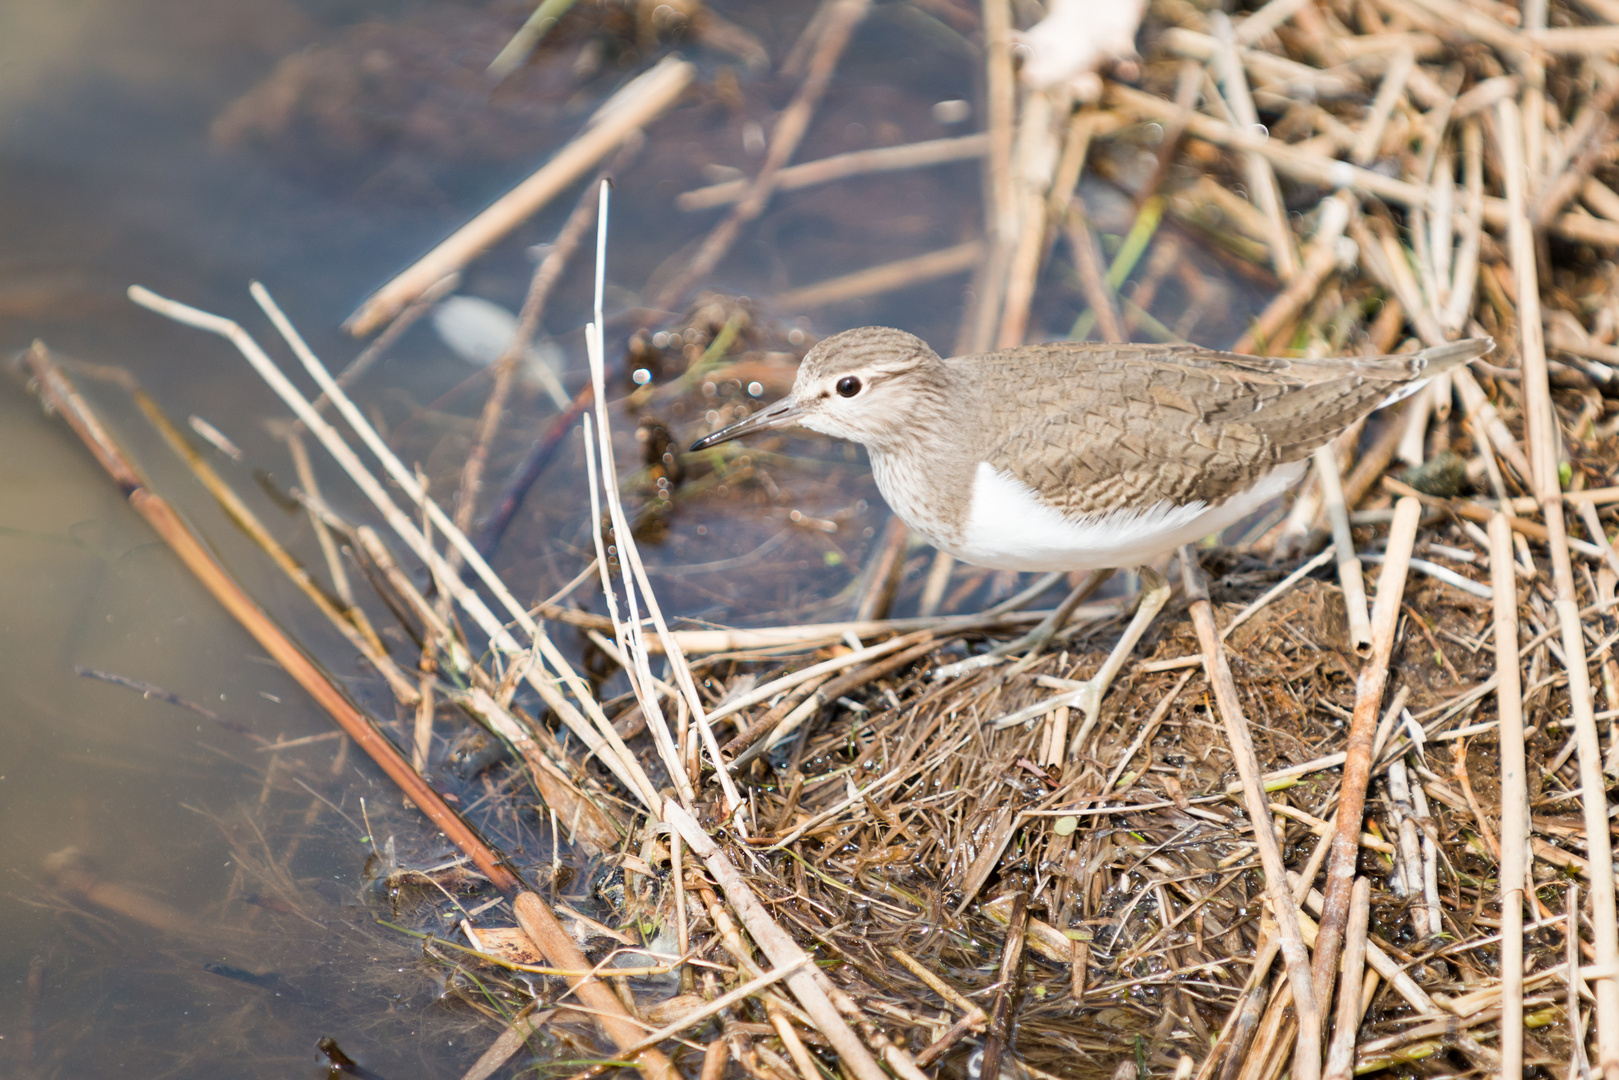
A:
{"x":1083,"y":456}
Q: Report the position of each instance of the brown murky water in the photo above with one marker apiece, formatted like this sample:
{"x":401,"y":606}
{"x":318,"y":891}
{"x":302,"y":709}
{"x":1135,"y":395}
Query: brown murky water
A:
{"x":134,"y":148}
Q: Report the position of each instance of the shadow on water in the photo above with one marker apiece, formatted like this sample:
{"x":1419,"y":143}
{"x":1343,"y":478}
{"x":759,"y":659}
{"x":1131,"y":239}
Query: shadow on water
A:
{"x":185,"y":898}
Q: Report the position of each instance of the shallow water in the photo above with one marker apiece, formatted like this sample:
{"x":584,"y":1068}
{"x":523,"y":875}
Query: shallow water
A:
{"x":118,"y":166}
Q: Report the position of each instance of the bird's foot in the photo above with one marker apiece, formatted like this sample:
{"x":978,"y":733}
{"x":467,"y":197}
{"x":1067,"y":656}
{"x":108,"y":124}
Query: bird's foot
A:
{"x":1154,"y":595}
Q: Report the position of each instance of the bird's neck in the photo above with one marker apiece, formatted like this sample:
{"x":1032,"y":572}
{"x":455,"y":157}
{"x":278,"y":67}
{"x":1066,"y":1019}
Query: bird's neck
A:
{"x":927,"y":478}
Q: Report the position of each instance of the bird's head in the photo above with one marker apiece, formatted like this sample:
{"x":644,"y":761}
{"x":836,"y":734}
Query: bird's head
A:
{"x":867,"y":385}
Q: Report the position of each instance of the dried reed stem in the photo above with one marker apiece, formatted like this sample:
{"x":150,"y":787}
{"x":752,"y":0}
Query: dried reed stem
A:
{"x":1369,"y":687}
{"x":632,"y":571}
{"x":1307,"y":1062}
{"x":841,"y":166}
{"x":1514,"y":793}
{"x":1364,"y":152}
{"x":1544,"y":443}
{"x":1092,"y":277}
{"x":1261,"y":178}
{"x":1350,"y":576}
{"x":538,"y":922}
{"x":885,"y":277}
{"x":328,"y":546}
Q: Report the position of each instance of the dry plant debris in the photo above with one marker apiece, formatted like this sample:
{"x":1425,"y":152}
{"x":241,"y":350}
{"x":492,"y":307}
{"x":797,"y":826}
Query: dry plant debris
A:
{"x":812,"y":857}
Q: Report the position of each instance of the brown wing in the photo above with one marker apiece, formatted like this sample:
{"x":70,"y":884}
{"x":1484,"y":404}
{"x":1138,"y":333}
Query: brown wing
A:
{"x":1098,"y":428}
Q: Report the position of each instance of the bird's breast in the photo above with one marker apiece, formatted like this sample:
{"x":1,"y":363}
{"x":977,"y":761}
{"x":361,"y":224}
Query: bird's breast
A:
{"x":1008,"y":526}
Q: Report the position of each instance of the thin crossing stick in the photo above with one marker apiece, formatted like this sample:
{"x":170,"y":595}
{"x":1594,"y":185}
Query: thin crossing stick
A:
{"x":1514,"y":793}
{"x":1261,"y":176}
{"x":1350,"y":576}
{"x":842,"y":18}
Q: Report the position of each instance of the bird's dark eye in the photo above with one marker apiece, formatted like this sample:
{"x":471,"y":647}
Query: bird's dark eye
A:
{"x":848,"y":386}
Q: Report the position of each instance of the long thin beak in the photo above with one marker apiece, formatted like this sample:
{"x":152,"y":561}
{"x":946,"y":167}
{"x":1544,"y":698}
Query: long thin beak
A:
{"x":783,"y":413}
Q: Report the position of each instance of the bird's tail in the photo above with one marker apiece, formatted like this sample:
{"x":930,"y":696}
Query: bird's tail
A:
{"x":1423,"y":366}
{"x":1442,"y":358}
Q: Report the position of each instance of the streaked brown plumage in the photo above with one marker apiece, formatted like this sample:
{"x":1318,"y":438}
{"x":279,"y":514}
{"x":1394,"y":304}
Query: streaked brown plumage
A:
{"x":1097,"y":433}
{"x":1072,"y":456}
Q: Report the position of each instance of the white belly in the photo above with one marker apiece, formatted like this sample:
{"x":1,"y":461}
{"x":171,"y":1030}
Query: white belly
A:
{"x":1008,"y":528}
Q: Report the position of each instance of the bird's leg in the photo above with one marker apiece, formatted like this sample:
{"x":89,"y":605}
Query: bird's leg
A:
{"x":1154,"y":594}
{"x":1035,"y":641}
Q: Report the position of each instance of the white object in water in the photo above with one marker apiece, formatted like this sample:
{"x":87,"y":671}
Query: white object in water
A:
{"x":479,"y":330}
{"x":1075,"y":38}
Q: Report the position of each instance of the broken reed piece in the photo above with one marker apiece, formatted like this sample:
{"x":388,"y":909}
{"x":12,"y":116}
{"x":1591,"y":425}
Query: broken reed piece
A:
{"x":1370,"y":684}
{"x":883,"y":278}
{"x":842,"y":166}
{"x":1307,"y":1063}
{"x":543,"y":928}
{"x":640,"y":102}
{"x":70,"y":873}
